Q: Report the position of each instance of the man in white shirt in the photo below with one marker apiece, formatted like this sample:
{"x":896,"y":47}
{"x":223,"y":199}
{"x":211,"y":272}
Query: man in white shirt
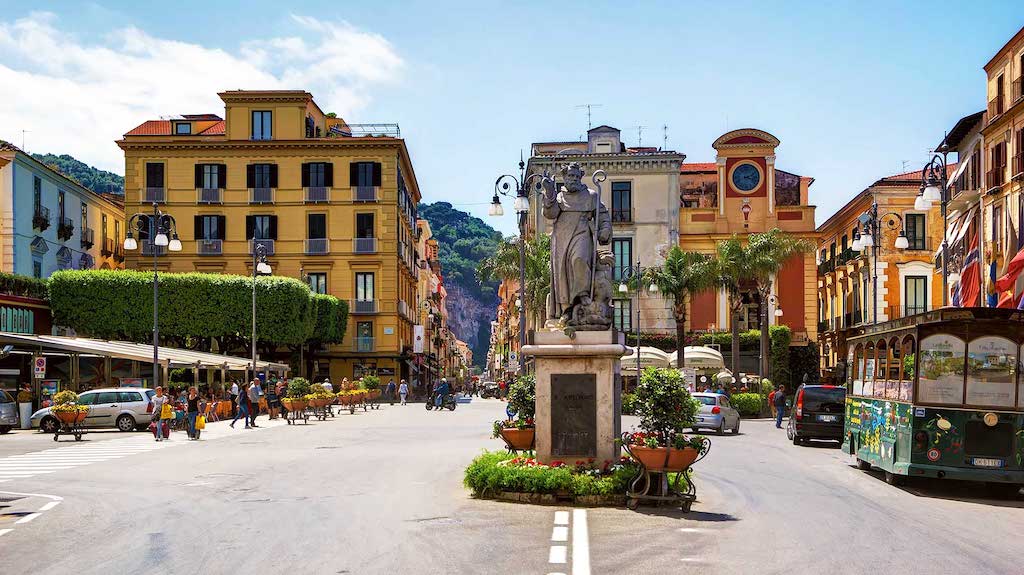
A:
{"x":234,"y":398}
{"x":328,"y":387}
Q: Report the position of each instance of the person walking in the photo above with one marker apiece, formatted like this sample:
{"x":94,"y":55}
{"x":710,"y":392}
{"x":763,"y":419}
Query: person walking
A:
{"x":192,"y":411}
{"x":391,"y":391}
{"x":158,"y":406}
{"x":403,"y":391}
{"x":254,"y":401}
{"x":328,"y":386}
{"x":273,"y":401}
{"x":242,"y":404}
{"x":234,"y":399}
{"x":771,"y":401}
{"x":780,"y":406}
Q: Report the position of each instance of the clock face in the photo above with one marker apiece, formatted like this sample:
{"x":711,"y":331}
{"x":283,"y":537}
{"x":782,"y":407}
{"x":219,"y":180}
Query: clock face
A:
{"x":746,"y":177}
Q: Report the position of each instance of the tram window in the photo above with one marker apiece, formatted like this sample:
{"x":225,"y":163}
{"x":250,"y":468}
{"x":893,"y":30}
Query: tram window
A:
{"x":850,"y":368}
{"x":907,"y":382}
{"x":858,"y":376}
{"x":869,"y":370}
{"x":941,"y":377}
{"x":991,"y":371}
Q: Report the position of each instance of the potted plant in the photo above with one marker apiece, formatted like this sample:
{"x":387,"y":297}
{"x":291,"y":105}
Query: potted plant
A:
{"x":518,"y":430}
{"x":295,"y":397}
{"x":371,"y":384}
{"x":66,"y":409}
{"x":665,"y":409}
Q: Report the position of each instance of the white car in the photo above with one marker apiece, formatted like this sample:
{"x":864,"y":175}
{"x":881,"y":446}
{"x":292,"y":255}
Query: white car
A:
{"x":716,"y":413}
{"x":126,"y":408}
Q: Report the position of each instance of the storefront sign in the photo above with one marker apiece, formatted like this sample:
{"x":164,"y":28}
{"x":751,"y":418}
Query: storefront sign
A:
{"x":39,"y":367}
{"x":386,"y":371}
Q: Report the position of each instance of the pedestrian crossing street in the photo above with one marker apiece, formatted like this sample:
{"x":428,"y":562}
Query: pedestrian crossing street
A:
{"x":74,"y":455}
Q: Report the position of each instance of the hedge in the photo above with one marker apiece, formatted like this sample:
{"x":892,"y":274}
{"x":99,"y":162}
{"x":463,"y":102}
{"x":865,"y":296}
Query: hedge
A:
{"x":494,"y":471}
{"x":331,"y":319}
{"x":119,"y":305}
{"x":24,"y":286}
{"x":748,"y":404}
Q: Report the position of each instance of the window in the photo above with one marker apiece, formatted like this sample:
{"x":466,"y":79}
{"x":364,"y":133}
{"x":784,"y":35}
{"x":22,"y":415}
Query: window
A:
{"x":832,"y":251}
{"x":941,"y":377}
{"x":117,"y":230}
{"x":37,"y":192}
{"x":914,"y":226}
{"x":211,"y":176}
{"x":991,"y":372}
{"x":318,"y":282}
{"x":364,"y":336}
{"x":128,"y":397}
{"x":60,"y":205}
{"x":316,"y":228}
{"x":915,"y":294}
{"x":845,"y":243}
{"x":622,"y":314}
{"x":997,"y":227}
{"x":154,"y":175}
{"x":37,"y":269}
{"x":261,"y":125}
{"x":262,"y":176}
{"x":182,"y":128}
{"x":85,"y":217}
{"x":317,"y":175}
{"x":103,"y":230}
{"x":622,"y":201}
{"x":365,"y":174}
{"x":364,"y":226}
{"x":622,"y":248}
{"x":262,"y":228}
{"x":88,"y":399}
{"x":364,"y":286}
{"x":210,"y":228}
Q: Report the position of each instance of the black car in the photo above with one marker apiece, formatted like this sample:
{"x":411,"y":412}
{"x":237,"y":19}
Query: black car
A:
{"x":818,"y":412}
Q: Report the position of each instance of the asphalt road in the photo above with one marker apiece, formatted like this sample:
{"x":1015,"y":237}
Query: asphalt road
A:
{"x":381,"y":492}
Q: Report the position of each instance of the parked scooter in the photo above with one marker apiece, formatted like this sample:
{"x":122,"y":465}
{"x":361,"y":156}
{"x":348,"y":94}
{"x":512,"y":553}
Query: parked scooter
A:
{"x":490,"y":389}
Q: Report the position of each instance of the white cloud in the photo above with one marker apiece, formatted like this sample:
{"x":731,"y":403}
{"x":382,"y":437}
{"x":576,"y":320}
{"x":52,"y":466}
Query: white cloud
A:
{"x":78,"y":97}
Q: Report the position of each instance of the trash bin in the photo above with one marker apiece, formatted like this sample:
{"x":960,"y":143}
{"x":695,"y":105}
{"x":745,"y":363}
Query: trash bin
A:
{"x":25,"y":412}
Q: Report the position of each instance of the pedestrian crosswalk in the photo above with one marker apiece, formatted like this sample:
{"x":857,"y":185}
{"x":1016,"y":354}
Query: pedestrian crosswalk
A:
{"x":59,"y":459}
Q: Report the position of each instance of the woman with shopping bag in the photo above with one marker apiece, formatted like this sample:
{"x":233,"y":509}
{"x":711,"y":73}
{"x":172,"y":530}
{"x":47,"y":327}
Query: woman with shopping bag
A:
{"x":162,"y":412}
{"x":192,"y":412}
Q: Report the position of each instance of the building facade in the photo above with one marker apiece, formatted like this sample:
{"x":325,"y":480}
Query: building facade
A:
{"x":742,"y":192}
{"x":49,"y":222}
{"x":857,"y":286}
{"x":332,"y":203}
{"x":642,"y":196}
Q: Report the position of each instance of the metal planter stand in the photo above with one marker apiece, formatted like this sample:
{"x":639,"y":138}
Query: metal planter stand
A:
{"x":654,"y":485}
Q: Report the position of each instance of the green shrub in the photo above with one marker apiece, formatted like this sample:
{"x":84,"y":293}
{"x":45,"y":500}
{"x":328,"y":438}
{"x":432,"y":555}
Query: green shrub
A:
{"x":298,"y":387}
{"x":522,"y":397}
{"x":496,"y":471}
{"x":371,"y":382}
{"x":23,"y":286}
{"x":748,"y":404}
{"x":663,"y":403}
{"x":628,"y":403}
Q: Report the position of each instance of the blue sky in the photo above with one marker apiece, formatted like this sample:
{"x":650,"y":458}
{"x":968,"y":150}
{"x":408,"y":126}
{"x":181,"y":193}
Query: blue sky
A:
{"x":854,"y":90}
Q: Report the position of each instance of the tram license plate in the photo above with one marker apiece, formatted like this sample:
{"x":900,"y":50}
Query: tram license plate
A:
{"x":828,"y":418}
{"x":987,"y":462}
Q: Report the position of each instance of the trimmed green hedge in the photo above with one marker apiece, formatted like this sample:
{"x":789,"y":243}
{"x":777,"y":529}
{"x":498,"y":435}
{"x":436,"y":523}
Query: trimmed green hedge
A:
{"x":24,"y":286}
{"x":748,"y":404}
{"x":331,"y":319}
{"x":493,"y":472}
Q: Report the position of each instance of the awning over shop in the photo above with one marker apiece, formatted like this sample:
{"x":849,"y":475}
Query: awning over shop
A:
{"x":649,"y":357}
{"x":698,"y":356}
{"x":171,"y":356}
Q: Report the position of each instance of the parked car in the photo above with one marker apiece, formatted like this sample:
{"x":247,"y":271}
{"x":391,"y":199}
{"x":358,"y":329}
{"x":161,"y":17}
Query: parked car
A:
{"x":818,"y":413}
{"x":716,"y":413}
{"x":125,"y":408}
{"x":8,"y":412}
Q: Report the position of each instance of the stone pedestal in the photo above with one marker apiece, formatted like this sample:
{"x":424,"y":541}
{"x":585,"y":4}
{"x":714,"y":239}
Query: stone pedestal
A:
{"x":579,"y":394}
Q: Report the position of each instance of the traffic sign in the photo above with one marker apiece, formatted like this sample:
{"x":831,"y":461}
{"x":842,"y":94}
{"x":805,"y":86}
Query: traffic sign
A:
{"x":39,"y":367}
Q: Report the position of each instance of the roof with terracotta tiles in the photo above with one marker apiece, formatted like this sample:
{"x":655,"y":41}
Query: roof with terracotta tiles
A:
{"x":214,"y":130}
{"x":913,"y":176}
{"x":6,"y":146}
{"x":163,"y":127}
{"x":698,"y":167}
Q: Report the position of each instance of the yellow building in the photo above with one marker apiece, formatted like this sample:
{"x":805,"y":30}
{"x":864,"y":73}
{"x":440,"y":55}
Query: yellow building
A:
{"x":331,"y":202}
{"x":908,"y":281}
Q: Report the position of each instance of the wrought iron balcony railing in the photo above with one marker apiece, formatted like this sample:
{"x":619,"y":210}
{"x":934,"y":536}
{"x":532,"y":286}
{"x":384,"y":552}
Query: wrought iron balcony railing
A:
{"x":88,"y":236}
{"x":155,"y":195}
{"x":364,"y":193}
{"x":364,"y":306}
{"x":364,"y":344}
{"x":41,"y":218}
{"x":317,"y":246}
{"x":317,"y":194}
{"x":268,"y":246}
{"x":210,"y":196}
{"x":364,"y":245}
{"x":261,"y":195}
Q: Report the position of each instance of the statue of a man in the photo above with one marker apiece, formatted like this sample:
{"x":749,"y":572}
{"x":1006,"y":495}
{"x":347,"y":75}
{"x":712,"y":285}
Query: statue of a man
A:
{"x":579,"y":223}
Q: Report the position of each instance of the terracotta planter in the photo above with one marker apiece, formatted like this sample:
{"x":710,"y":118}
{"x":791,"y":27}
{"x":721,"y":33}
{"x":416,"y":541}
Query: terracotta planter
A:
{"x":519,"y":439}
{"x":70,"y":417}
{"x":294,"y":404}
{"x":653,"y":458}
{"x":373,"y":393}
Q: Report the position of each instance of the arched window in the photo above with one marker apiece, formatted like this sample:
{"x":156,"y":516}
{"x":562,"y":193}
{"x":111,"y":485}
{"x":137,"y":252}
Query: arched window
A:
{"x":882,"y":370}
{"x":907,"y":356}
{"x":857,"y":370}
{"x":870,"y":362}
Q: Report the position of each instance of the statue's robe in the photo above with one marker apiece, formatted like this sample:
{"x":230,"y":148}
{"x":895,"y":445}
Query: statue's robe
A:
{"x":572,"y":245}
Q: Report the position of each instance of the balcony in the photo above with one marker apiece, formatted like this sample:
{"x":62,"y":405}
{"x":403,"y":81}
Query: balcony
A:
{"x":624,"y":215}
{"x":88,"y":236}
{"x":317,"y":246}
{"x":210,"y":247}
{"x":41,"y":218}
{"x":845,"y":256}
{"x":65,"y":229}
{"x":857,"y":317}
{"x":317,"y":194}
{"x":155,"y":195}
{"x":847,"y":320}
{"x":86,"y":262}
{"x":364,"y":193}
{"x":826,"y":267}
{"x":364,"y":306}
{"x":107,"y":248}
{"x":364,"y":344}
{"x":996,"y":107}
{"x":268,"y":246}
{"x":1018,"y":166}
{"x":901,"y":311}
{"x":210,"y":196}
{"x":364,"y":245}
{"x":995,"y":177}
{"x":261,"y":195}
{"x":149,"y":249}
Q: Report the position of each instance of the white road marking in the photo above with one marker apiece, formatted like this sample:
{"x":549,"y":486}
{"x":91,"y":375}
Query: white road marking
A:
{"x":557,"y":554}
{"x":560,"y":533}
{"x":691,"y":530}
{"x":49,"y":506}
{"x":27,"y":518}
{"x":580,"y":543}
{"x":2,"y":531}
{"x":561,"y":517}
{"x":46,"y":461}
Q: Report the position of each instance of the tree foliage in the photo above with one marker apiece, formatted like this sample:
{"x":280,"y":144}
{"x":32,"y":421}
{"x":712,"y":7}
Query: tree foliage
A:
{"x":683,"y":274}
{"x":97,"y":180}
{"x":503,"y":264}
{"x":663,"y":403}
{"x":463,"y":242}
{"x":24,"y":286}
{"x":331,"y":319}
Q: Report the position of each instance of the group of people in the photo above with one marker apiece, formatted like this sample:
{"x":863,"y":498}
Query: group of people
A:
{"x":247,"y":399}
{"x":193,"y":403}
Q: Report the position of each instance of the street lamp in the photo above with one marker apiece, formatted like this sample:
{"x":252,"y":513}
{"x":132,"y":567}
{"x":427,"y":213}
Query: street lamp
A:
{"x":870,"y":236}
{"x":259,"y":266}
{"x":503,"y":186}
{"x":935,"y":188}
{"x":156,"y":225}
{"x":634,"y":273}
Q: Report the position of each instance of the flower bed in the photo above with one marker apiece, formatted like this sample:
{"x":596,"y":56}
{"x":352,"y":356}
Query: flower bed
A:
{"x":500,"y":475}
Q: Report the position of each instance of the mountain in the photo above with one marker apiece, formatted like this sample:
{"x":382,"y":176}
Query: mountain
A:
{"x":463,"y":241}
{"x":95,"y":179}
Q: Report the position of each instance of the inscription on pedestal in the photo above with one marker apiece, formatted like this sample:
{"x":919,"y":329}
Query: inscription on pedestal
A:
{"x":574,"y":415}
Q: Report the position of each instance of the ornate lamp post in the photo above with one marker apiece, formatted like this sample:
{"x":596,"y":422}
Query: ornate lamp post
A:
{"x":870,"y":235}
{"x":259,"y":266}
{"x":503,"y":186}
{"x":763,"y":312}
{"x":155,"y":226}
{"x":935,"y":188}
{"x":634,"y":273}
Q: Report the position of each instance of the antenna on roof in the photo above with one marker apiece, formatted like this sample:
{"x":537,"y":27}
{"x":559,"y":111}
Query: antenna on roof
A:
{"x":664,"y":136}
{"x":640,"y":136}
{"x":904,"y":170}
{"x":588,"y":107}
{"x":23,"y":132}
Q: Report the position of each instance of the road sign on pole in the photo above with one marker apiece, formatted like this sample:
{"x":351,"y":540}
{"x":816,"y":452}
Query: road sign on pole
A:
{"x":39,"y":367}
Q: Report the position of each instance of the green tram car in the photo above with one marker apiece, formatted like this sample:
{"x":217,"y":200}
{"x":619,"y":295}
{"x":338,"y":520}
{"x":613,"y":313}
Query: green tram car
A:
{"x":939,"y":394}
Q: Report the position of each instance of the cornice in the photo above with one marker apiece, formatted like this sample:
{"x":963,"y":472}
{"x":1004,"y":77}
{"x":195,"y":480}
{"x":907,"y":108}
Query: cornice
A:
{"x":254,"y":145}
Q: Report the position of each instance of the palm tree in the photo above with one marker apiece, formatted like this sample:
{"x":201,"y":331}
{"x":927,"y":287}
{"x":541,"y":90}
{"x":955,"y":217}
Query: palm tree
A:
{"x":504,"y":265}
{"x":730,"y":263}
{"x":682,"y":275}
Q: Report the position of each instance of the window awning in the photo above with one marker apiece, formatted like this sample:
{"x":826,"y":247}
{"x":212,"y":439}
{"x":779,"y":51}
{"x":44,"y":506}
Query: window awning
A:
{"x":961,"y":167}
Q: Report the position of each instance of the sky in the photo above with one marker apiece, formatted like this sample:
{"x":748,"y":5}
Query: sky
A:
{"x":854,"y":90}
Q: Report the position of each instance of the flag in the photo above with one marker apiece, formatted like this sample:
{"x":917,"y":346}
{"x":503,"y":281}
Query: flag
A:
{"x":1012,"y":271}
{"x":992,"y":299}
{"x":970,"y":277}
